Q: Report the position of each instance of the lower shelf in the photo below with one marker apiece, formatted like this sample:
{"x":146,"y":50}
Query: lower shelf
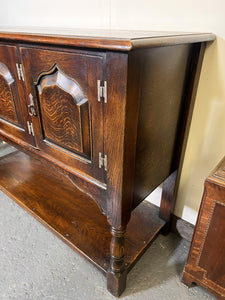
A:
{"x":72,"y":215}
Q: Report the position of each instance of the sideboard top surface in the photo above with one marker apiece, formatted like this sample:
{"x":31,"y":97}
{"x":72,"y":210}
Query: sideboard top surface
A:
{"x":120,"y":40}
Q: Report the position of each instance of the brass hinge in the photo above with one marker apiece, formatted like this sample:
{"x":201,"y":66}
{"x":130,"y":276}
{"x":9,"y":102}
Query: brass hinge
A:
{"x":102,"y":161}
{"x":19,"y":68}
{"x":102,"y":91}
{"x":30,"y":128}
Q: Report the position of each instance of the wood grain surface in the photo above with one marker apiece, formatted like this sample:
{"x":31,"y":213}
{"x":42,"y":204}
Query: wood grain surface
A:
{"x":13,"y":107}
{"x":206,"y":261}
{"x":120,"y":40}
{"x":7,"y":104}
{"x":66,"y":129}
{"x":71,"y":214}
{"x":62,"y":105}
{"x":114,"y":150}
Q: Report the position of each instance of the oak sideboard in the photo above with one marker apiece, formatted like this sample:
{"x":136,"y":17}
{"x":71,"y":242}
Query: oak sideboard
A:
{"x":100,"y":119}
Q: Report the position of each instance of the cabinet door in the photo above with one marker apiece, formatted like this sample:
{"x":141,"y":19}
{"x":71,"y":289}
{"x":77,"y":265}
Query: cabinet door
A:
{"x":13,"y":109}
{"x":68,"y":124}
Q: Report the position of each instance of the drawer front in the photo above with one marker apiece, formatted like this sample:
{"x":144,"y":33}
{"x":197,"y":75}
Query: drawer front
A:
{"x":13,"y":108}
{"x":67,"y":116}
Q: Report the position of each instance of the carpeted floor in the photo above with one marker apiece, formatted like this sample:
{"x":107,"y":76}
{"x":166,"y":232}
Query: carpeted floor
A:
{"x":36,"y":265}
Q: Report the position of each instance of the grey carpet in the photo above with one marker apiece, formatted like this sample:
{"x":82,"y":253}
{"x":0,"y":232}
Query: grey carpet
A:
{"x":36,"y":265}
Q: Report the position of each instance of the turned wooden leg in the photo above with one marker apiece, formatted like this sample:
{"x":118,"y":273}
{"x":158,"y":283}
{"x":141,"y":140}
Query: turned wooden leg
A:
{"x":117,"y":273}
{"x":167,"y":200}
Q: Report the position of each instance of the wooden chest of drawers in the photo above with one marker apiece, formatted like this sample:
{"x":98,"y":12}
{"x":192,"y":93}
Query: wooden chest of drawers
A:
{"x":103,"y":119}
{"x":206,"y":261}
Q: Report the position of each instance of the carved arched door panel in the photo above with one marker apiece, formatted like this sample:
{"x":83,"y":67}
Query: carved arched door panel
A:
{"x":64,"y":112}
{"x":69,"y":121}
{"x":8,"y":110}
{"x":13,"y":109}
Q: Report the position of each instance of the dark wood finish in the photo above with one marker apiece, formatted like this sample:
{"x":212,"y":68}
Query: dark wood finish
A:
{"x":170,"y":185}
{"x":206,"y":261}
{"x":13,"y":108}
{"x":84,"y":184}
{"x":115,"y":149}
{"x":64,"y":126}
{"x":117,"y":273}
{"x":120,"y":148}
{"x":164,"y":81}
{"x":120,"y":40}
{"x":7,"y":109}
{"x":167,"y":200}
{"x":72,"y":215}
{"x":64,"y":112}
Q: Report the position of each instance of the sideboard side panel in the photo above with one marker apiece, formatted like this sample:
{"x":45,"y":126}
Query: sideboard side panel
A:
{"x":163,"y":77}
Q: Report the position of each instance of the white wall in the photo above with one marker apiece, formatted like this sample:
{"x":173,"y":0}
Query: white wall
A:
{"x":206,"y":143}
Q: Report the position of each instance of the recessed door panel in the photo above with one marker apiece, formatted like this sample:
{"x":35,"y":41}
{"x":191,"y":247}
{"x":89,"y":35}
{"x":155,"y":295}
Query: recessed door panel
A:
{"x":8,"y":109}
{"x":13,"y":109}
{"x":64,"y":112}
{"x":68,"y":122}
